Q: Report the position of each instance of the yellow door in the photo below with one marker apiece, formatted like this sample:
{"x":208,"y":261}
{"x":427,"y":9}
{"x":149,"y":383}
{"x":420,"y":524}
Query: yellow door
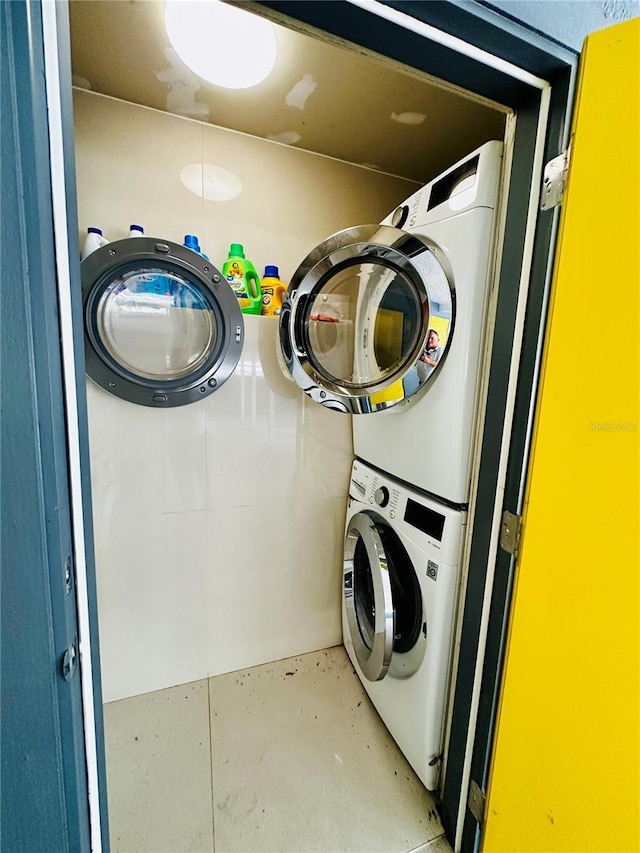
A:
{"x":565,"y":771}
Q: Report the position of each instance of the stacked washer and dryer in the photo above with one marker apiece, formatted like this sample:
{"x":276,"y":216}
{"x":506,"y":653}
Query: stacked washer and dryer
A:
{"x":410,"y":483}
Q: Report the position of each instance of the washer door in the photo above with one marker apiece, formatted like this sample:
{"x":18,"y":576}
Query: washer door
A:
{"x":356,"y":318}
{"x":383,"y":602}
{"x":162,"y":326}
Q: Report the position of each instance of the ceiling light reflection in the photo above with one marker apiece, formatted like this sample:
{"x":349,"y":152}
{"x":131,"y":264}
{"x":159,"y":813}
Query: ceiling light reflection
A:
{"x":211,"y":182}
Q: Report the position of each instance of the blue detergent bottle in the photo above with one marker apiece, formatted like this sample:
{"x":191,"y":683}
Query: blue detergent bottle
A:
{"x":191,"y":242}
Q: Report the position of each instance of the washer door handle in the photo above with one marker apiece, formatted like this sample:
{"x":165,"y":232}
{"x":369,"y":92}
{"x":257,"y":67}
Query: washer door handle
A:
{"x":373,"y":658}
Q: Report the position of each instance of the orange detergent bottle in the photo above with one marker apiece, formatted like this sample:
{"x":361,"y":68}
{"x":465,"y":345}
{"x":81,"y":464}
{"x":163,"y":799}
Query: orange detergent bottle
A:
{"x":272,"y":291}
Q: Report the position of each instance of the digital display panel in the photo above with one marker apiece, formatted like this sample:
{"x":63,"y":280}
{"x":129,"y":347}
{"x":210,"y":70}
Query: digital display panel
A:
{"x":444,"y":188}
{"x":427,"y":520}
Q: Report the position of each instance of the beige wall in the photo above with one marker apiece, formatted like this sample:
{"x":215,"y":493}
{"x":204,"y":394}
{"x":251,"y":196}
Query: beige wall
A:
{"x":129,"y":160}
{"x":218,"y":525}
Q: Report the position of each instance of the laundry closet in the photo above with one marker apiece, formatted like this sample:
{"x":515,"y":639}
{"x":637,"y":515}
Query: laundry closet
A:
{"x":219,"y":525}
{"x":233,"y":505}
{"x":537,"y":680}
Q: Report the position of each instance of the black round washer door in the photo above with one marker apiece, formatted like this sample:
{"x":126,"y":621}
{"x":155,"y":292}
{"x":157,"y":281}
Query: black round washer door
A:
{"x":162,"y":326}
{"x":382,"y":597}
{"x":405,"y":590}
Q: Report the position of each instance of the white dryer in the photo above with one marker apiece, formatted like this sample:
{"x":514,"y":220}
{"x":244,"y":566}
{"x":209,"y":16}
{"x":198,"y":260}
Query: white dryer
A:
{"x":358,"y":314}
{"x":426,"y":440}
{"x":401,"y":578}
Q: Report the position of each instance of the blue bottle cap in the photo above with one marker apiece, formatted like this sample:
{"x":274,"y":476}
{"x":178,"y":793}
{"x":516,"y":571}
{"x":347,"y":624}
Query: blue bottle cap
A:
{"x":271,"y":272}
{"x":191,"y":242}
{"x":94,"y":231}
{"x":136,"y":228}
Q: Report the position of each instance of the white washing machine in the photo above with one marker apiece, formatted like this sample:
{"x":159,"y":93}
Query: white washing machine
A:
{"x":426,"y":440}
{"x":401,"y":578}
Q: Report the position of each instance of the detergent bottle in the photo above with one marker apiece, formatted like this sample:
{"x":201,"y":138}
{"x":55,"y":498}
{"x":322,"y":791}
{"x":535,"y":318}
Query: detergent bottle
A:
{"x":93,"y":241}
{"x":191,"y":242}
{"x":272,"y":291}
{"x":241,"y":275}
{"x":136,"y":231}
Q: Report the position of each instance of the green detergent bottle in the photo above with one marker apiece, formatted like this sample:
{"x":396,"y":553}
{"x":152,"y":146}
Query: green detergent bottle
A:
{"x":241,"y":275}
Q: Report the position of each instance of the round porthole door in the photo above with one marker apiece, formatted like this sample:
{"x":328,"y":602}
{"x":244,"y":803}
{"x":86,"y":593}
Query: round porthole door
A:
{"x":162,"y":326}
{"x":382,"y":599}
{"x":359,"y":317}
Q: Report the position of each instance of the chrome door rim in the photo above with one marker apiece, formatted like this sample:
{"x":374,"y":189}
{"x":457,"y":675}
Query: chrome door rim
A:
{"x":379,"y":242}
{"x":101,"y":268}
{"x":374,"y":662}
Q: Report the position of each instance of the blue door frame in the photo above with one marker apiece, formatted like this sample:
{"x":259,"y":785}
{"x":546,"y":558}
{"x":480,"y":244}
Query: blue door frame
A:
{"x":44,"y":780}
{"x":43,"y":763}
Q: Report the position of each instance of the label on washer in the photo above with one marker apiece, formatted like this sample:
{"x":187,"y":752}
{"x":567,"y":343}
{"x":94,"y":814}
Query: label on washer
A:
{"x":432,"y":570}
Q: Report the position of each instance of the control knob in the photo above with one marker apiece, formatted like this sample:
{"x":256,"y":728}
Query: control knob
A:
{"x":400,"y":216}
{"x":382,"y":496}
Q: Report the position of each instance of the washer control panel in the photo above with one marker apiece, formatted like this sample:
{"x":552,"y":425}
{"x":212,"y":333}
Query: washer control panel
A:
{"x":384,"y":495}
{"x":369,"y":487}
{"x":414,"y":515}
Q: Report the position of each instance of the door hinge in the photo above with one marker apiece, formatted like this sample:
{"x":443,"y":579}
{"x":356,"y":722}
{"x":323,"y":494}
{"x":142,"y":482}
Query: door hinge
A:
{"x":476,"y":801}
{"x":68,"y":575}
{"x":510,"y":532}
{"x":70,"y":660}
{"x":554,"y":180}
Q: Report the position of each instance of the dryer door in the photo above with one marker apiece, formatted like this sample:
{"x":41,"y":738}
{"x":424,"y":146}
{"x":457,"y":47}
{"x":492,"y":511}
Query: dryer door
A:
{"x":162,"y":326}
{"x":383,"y":602}
{"x":355,"y":321}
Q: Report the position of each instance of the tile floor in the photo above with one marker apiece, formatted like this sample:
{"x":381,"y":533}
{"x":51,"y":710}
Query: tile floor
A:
{"x":288,"y":756}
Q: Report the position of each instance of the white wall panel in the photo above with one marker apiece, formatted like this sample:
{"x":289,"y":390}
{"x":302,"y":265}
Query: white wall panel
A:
{"x":219,"y":524}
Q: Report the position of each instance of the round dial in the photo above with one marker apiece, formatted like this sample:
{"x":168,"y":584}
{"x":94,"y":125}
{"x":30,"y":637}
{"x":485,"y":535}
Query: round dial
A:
{"x":399,"y":216}
{"x":382,"y":496}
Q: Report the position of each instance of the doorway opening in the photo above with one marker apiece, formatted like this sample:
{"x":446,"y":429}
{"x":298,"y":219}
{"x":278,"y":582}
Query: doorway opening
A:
{"x":180,"y":487}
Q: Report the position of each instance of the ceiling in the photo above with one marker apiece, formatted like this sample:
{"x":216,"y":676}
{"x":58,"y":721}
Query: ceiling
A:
{"x":321,"y":96}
